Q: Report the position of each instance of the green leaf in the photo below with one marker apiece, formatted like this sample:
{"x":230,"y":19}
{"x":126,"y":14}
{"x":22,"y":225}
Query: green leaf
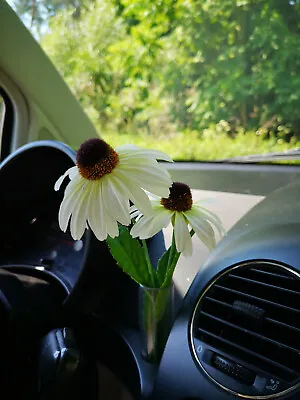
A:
{"x":166,"y":265}
{"x":129,"y":255}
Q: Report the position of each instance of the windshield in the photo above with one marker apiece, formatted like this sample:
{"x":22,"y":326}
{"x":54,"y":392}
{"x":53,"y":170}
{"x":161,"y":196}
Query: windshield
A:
{"x":201,"y":80}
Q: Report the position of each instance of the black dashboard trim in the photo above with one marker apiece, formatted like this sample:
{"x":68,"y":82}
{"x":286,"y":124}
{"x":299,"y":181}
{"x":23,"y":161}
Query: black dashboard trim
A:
{"x":71,"y":154}
{"x":192,"y":322}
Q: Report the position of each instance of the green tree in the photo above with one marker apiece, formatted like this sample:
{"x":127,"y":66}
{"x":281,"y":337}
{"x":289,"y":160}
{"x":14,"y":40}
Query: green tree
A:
{"x":36,"y":13}
{"x":236,"y":60}
{"x":109,"y":67}
{"x":188,"y":62}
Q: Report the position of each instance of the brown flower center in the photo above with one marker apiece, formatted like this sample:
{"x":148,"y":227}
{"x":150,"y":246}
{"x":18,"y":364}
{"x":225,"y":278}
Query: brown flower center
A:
{"x":95,"y":158}
{"x":180,"y":198}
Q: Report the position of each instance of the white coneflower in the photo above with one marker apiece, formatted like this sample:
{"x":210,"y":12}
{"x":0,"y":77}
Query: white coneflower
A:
{"x":102,"y":183}
{"x":179,"y":209}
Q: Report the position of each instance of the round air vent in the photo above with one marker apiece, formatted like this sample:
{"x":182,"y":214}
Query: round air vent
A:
{"x":245,"y":330}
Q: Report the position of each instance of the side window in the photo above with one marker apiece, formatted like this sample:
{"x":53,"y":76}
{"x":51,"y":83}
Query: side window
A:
{"x":6,"y":124}
{"x":2,"y":113}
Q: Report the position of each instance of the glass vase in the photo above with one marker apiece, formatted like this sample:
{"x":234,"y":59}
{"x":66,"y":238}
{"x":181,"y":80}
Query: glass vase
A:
{"x":155,"y":320}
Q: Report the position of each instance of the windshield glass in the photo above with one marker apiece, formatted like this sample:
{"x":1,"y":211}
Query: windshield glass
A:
{"x":201,"y":80}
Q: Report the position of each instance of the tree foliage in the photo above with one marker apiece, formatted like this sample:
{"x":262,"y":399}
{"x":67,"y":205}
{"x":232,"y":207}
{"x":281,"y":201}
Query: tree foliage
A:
{"x":179,"y":64}
{"x":38,"y":12}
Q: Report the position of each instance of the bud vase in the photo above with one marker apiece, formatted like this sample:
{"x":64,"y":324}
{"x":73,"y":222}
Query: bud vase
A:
{"x":155,"y":320}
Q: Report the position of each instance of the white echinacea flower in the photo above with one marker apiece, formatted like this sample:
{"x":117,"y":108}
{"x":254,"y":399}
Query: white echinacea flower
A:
{"x":179,"y":209}
{"x":102,"y":183}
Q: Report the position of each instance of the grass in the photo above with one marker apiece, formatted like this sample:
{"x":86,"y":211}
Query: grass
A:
{"x":211,"y":146}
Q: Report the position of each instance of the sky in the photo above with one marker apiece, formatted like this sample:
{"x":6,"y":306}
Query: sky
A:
{"x":27,"y":22}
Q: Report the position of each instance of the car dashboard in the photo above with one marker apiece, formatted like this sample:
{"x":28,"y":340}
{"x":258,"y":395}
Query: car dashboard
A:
{"x":236,"y":332}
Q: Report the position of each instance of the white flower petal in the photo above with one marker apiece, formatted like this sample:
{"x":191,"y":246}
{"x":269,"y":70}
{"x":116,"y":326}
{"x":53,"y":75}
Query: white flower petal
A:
{"x":112,"y":226}
{"x":154,"y":168}
{"x":96,"y":215}
{"x":135,"y":151}
{"x":132,"y":208}
{"x":140,"y":199}
{"x":209,"y":216}
{"x":202,"y":229}
{"x":72,"y":185}
{"x":142,"y":161}
{"x":156,"y":180}
{"x":159,"y":221}
{"x":99,"y":220}
{"x":147,"y":227}
{"x":183,"y":239}
{"x":69,"y":202}
{"x":72,"y":172}
{"x":135,"y":214}
{"x":139,"y":229}
{"x":208,"y":241}
{"x":135,"y":193}
{"x":115,"y":203}
{"x":155,"y":200}
{"x":79,"y":214}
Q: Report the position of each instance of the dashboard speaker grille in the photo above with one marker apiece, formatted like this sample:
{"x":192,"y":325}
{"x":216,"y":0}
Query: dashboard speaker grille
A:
{"x":251,"y":314}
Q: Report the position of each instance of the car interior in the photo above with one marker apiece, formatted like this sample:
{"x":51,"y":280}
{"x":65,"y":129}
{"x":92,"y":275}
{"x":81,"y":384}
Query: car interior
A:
{"x":69,"y":315}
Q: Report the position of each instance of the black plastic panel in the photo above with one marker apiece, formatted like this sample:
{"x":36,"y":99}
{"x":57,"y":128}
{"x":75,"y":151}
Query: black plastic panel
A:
{"x":29,"y":211}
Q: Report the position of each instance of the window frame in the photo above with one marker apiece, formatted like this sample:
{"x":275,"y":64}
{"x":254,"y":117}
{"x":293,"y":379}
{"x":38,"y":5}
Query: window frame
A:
{"x":16,"y":119}
{"x":6,"y":126}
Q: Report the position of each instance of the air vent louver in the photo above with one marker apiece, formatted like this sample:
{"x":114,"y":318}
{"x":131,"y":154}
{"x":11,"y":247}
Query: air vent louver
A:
{"x":251,"y":315}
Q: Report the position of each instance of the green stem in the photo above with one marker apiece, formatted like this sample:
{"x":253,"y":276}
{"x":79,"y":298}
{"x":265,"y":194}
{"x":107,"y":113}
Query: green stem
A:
{"x":171,"y":269}
{"x":173,"y":259}
{"x":148,"y":261}
{"x":173,"y":250}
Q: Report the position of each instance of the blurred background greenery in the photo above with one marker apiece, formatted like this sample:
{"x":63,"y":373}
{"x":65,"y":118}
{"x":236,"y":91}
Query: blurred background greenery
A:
{"x":199,"y":79}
